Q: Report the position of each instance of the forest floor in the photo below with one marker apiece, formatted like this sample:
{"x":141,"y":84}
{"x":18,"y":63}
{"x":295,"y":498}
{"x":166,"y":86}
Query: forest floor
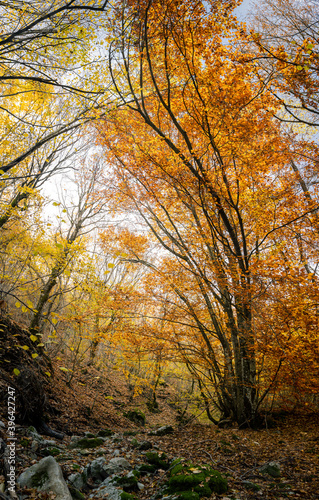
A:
{"x":98,"y":399}
{"x":292,"y":441}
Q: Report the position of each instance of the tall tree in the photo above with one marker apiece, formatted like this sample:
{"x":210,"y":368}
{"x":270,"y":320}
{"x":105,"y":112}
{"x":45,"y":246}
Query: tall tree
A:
{"x":196,"y":151}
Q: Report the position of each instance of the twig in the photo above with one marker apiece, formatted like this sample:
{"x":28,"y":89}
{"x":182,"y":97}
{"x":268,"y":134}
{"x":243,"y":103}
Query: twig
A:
{"x":209,"y":455}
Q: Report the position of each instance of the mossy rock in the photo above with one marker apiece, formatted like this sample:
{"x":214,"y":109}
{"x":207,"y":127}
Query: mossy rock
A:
{"x":203,"y":490}
{"x":136,"y":473}
{"x":105,"y":433}
{"x":201,"y":480}
{"x":90,"y":435}
{"x":53,"y":452}
{"x":136,"y":416}
{"x":85,"y":443}
{"x":127,"y":496}
{"x":185,"y":480}
{"x":127,"y":483}
{"x":147,"y":468}
{"x":159,"y":461}
{"x":175,"y":469}
{"x":217,"y":482}
{"x":76,"y":494}
{"x":272,"y":469}
{"x":25,"y":442}
{"x":39,"y":479}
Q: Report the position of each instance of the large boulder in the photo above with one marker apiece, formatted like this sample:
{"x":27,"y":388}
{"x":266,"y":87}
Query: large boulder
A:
{"x":117,"y":465}
{"x":46,"y":475}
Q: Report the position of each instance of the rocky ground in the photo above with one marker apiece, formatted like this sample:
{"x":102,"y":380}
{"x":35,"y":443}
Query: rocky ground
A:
{"x":276,"y":463}
{"x":124,"y":456}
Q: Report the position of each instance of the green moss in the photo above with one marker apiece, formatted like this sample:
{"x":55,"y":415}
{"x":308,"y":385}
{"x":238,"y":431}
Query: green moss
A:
{"x":188,"y":495}
{"x":135,"y":443}
{"x":203,"y":490}
{"x":185,"y":481}
{"x":39,"y":479}
{"x":76,"y":494}
{"x":189,"y":478}
{"x":127,"y":483}
{"x":159,"y":461}
{"x":127,"y":496}
{"x":147,"y":468}
{"x":105,"y":433}
{"x":130,"y":433}
{"x":217,"y":482}
{"x":136,"y":416}
{"x":136,"y":473}
{"x":87,"y":443}
{"x":51,"y":451}
{"x":176,"y":469}
{"x":25,"y":442}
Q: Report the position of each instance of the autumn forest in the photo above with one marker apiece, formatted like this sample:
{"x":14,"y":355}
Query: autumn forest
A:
{"x":159,"y":197}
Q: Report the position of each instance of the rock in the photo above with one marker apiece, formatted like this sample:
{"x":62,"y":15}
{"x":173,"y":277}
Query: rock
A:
{"x":146,"y":468}
{"x":158,"y":461}
{"x":190,"y":481}
{"x":46,"y":475}
{"x":32,"y":432}
{"x":75,"y":438}
{"x":2,"y":425}
{"x":86,"y":442}
{"x":84,"y":453}
{"x":144,"y":445}
{"x":77,"y":480}
{"x":117,"y":465}
{"x":48,"y":442}
{"x":51,"y":451}
{"x":76,"y":494}
{"x":107,"y":490}
{"x":97,"y":470}
{"x":162,"y":431}
{"x":34,"y":445}
{"x":116,"y":453}
{"x":89,"y":435}
{"x":128,"y":482}
{"x":272,"y":469}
